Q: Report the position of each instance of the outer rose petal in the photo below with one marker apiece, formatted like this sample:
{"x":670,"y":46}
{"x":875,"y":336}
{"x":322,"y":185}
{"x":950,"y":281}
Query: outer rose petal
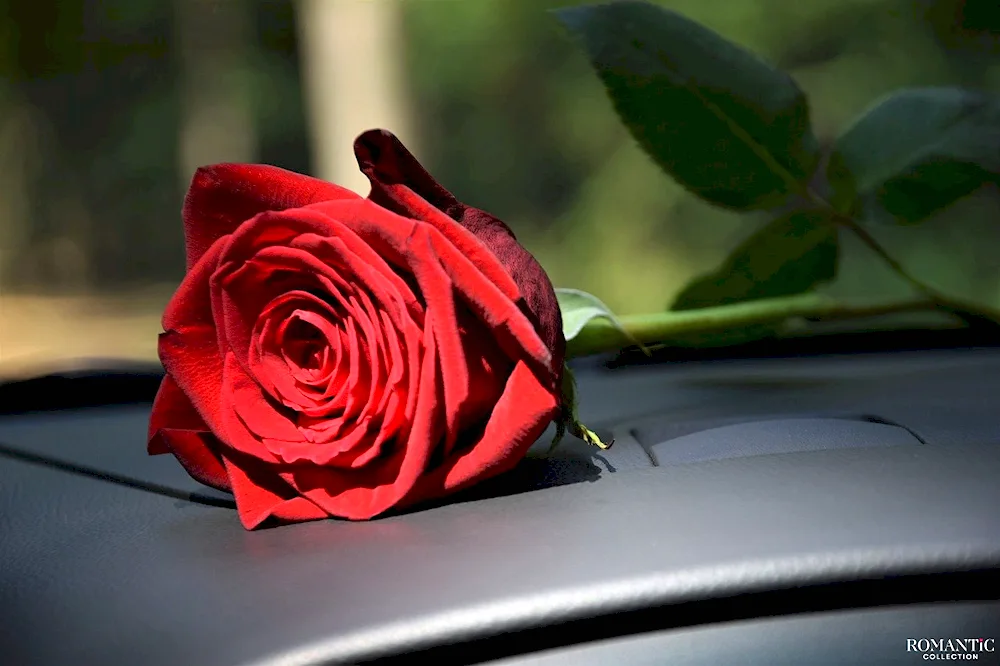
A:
{"x":223,"y":196}
{"x":400,"y":183}
{"x":171,"y":409}
{"x":197,"y":453}
{"x":518,"y":420}
{"x":176,"y":427}
{"x":188,"y":348}
{"x":261,"y":494}
{"x":191,"y":305}
{"x":192,"y":360}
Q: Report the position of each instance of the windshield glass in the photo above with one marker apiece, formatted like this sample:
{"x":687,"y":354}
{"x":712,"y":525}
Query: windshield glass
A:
{"x":108,"y":107}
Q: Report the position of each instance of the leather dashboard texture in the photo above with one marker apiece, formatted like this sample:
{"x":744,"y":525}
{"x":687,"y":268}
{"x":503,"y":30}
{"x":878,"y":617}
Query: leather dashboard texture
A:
{"x":738,"y":492}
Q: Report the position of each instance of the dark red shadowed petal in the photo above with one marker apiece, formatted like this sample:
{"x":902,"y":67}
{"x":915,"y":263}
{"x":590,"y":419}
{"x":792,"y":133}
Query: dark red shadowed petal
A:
{"x":171,"y":409}
{"x":175,"y":427}
{"x":170,"y":405}
{"x":401,"y":184}
{"x":223,"y":196}
{"x":518,"y":420}
{"x":394,"y":192}
{"x":388,"y":164}
{"x":196,"y":452}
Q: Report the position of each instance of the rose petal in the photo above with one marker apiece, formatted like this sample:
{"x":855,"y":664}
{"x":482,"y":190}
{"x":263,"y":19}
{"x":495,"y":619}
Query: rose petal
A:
{"x":171,"y":409}
{"x":197,"y":453}
{"x":384,"y":159}
{"x":191,"y":307}
{"x":378,"y":356}
{"x":353,"y":385}
{"x":340,"y":452}
{"x":244,"y":401}
{"x":489,"y":369}
{"x":261,"y":494}
{"x":400,"y":183}
{"x":241,"y":289}
{"x":367,"y":355}
{"x":191,"y":357}
{"x":396,"y":363}
{"x":244,"y":296}
{"x":346,"y":247}
{"x":176,"y":427}
{"x":390,"y":235}
{"x":359,"y":494}
{"x":489,"y":303}
{"x":235,"y":317}
{"x":189,"y":348}
{"x":224,"y":196}
{"x":301,"y":321}
{"x":399,"y":313}
{"x":357,"y":253}
{"x":518,"y":420}
{"x":270,"y":365}
{"x":438,"y":292}
{"x":540,"y":303}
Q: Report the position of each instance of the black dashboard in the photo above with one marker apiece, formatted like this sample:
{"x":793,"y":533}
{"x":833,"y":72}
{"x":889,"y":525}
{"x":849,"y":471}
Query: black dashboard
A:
{"x":824,"y":509}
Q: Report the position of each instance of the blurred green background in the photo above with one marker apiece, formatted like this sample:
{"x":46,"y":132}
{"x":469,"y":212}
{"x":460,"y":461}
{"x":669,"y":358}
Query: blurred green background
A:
{"x":107,"y":106}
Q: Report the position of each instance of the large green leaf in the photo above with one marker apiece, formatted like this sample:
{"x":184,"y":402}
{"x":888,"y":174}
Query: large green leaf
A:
{"x":917,"y":151}
{"x":790,"y":255}
{"x":725,"y":124}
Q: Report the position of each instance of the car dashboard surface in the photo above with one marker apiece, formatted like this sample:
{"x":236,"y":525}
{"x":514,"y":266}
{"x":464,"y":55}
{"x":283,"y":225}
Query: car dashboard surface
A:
{"x":818,"y":509}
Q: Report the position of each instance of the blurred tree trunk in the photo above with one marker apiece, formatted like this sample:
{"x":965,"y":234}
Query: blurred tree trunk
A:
{"x":17,"y":164}
{"x":351,"y":55}
{"x":214,"y":41}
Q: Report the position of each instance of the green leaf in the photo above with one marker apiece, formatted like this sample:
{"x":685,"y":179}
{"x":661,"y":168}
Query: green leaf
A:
{"x":915,"y":152}
{"x":791,"y":255}
{"x":578,"y":308}
{"x":726,"y":125}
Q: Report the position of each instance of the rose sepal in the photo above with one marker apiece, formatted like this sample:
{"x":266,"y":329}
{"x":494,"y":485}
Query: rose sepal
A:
{"x":569,"y":420}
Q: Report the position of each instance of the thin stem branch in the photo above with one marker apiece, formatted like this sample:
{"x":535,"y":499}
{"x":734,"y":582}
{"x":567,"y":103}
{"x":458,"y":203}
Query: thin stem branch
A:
{"x":892,"y":262}
{"x":970,"y":313}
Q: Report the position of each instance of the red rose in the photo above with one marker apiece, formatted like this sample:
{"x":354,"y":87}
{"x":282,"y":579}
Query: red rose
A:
{"x":329,"y":355}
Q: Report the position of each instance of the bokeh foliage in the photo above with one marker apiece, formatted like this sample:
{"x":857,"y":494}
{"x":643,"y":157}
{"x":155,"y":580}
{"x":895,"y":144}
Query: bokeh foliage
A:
{"x":513,"y":120}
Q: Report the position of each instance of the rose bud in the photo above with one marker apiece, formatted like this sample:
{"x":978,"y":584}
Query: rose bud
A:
{"x":328,"y":355}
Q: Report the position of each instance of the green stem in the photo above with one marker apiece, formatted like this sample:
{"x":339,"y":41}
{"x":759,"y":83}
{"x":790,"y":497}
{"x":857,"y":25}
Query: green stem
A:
{"x":964,"y":310}
{"x":601,"y":335}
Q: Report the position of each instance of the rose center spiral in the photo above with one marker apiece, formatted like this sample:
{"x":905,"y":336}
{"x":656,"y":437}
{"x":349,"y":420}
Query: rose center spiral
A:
{"x":305,"y":348}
